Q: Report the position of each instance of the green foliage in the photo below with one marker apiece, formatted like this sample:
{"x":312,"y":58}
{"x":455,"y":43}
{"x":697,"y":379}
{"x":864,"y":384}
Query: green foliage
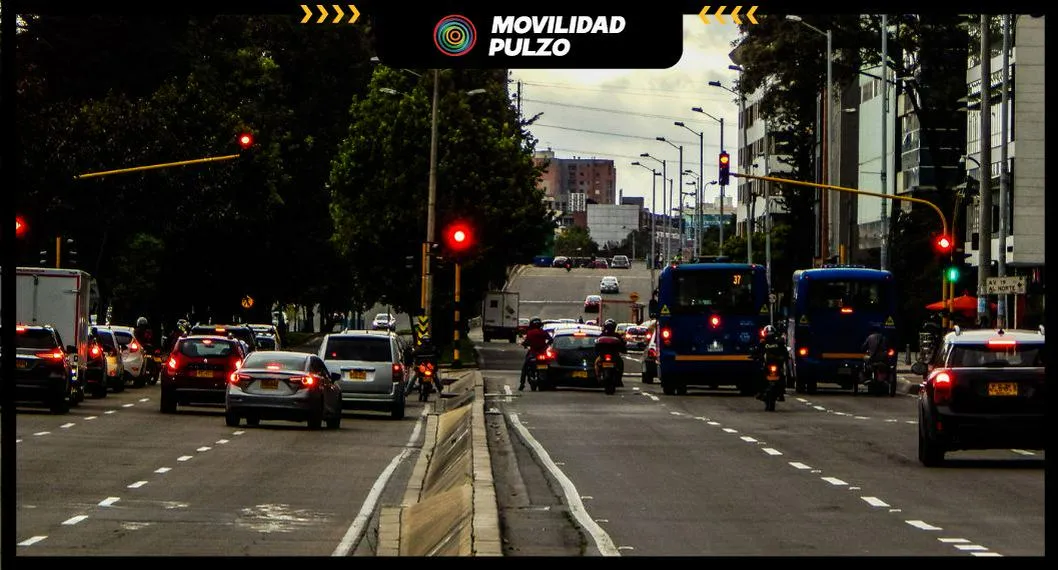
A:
{"x":575,"y":241}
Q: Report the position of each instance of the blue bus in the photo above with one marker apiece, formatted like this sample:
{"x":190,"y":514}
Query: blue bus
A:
{"x":709,"y":320}
{"x":832,"y":310}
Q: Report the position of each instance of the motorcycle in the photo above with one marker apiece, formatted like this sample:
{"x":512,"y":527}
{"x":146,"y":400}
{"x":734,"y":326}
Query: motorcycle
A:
{"x":427,"y":378}
{"x":775,"y":375}
{"x":608,"y":373}
{"x":154,"y":366}
{"x":537,"y":373}
{"x":880,"y":379}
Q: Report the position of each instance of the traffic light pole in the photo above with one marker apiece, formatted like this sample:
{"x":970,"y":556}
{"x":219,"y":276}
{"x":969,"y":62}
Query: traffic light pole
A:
{"x":456,"y":362}
{"x":943,"y":220}
{"x":155,"y":166}
{"x":431,"y":205}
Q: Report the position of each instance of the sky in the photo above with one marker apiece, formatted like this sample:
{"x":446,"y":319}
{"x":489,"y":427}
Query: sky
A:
{"x":617,"y":113}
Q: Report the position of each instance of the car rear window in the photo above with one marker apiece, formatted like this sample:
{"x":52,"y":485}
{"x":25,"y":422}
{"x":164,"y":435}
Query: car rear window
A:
{"x":106,"y":339}
{"x":637,"y":330}
{"x":35,"y":338}
{"x":358,"y":348}
{"x":275,"y":361}
{"x":571,"y":341}
{"x":207,"y":348}
{"x":265,"y":342}
{"x":976,"y":355}
{"x":123,"y":338}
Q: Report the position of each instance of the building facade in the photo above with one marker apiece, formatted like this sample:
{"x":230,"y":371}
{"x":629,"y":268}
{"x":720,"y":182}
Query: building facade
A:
{"x":756,"y":156}
{"x":570,"y":184}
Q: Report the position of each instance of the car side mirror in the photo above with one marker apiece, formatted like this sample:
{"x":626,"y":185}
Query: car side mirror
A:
{"x":336,"y":376}
{"x":919,"y":368}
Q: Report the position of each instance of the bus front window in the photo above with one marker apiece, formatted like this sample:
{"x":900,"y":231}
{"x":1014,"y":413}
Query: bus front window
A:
{"x":863,"y":295}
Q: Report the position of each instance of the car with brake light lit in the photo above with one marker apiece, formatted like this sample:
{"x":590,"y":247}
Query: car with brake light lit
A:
{"x":592,"y":303}
{"x":373,"y":368}
{"x":636,"y":337}
{"x":198,"y":371}
{"x":279,"y":385}
{"x":239,"y":332}
{"x":571,"y":357}
{"x":984,"y":389}
{"x":42,"y":371}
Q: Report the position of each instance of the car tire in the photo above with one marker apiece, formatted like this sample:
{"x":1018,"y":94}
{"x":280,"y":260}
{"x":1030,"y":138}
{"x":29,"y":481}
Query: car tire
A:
{"x":315,"y":420}
{"x":930,"y":452}
{"x":139,"y":381}
{"x":168,"y":402}
{"x":99,"y":390}
{"x":336,"y":421}
{"x":397,"y":411}
{"x":647,"y":378}
{"x":60,"y":405}
{"x":117,"y":385}
{"x":253,"y":421}
{"x":231,"y":419}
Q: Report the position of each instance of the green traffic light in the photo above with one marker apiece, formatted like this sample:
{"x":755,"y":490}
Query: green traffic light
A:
{"x":952,"y":274}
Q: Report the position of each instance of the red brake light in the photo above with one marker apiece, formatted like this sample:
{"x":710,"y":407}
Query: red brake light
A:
{"x":773,"y":368}
{"x":579,"y":333}
{"x":95,"y":350}
{"x":652,"y":352}
{"x":892,"y":351}
{"x":942,"y":382}
{"x":1001,"y":344}
{"x":714,"y":321}
{"x":219,"y":329}
{"x":308,"y":381}
{"x":134,"y":346}
{"x":20,"y":329}
{"x":51,"y":355}
{"x":173,"y":364}
{"x":207,"y":341}
{"x":607,"y":357}
{"x":803,"y":351}
{"x":273,"y":366}
{"x":846,"y":310}
{"x":398,"y":372}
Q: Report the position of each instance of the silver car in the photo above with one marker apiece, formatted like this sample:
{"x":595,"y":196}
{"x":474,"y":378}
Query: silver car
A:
{"x":279,"y":385}
{"x":373,"y":369}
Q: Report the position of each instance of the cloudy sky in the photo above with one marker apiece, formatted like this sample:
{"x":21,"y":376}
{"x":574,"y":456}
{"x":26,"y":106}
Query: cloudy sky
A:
{"x":617,"y":113}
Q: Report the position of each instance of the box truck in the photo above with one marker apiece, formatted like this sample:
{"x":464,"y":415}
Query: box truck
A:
{"x":63,"y":299}
{"x":499,"y":316}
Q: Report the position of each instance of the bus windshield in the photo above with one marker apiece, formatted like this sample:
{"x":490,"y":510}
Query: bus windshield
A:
{"x":838,"y":294}
{"x":699,"y":292}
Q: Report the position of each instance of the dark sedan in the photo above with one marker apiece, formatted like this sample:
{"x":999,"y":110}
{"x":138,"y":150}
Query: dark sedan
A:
{"x":278,"y":385}
{"x":571,"y":358}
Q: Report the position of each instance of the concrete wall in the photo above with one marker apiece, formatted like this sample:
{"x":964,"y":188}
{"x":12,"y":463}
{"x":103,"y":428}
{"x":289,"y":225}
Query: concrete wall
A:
{"x":1029,"y":165}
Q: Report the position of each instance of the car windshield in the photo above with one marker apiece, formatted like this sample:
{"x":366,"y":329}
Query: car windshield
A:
{"x":358,"y":348}
{"x":275,"y":361}
{"x":574,"y":341}
{"x":975,"y":355}
{"x":206,"y":348}
{"x":35,"y":338}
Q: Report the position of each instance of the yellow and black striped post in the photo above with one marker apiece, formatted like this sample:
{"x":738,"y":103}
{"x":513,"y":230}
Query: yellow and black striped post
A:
{"x":456,"y":362}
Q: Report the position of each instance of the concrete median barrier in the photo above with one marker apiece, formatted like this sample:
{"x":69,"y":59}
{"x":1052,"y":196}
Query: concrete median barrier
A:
{"x":449,"y":507}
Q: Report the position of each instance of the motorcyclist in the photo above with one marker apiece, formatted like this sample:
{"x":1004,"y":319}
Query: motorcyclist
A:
{"x":180,"y":329}
{"x":536,"y":340}
{"x":612,"y":343}
{"x":427,"y":352}
{"x":876,"y":351}
{"x":772,"y":350}
{"x":143,"y":333}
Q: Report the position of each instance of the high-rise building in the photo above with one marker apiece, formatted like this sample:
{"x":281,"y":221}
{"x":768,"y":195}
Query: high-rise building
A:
{"x":570,"y":184}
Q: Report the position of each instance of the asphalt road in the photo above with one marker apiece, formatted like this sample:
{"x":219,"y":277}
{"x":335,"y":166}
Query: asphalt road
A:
{"x":116,"y":477}
{"x":712,"y":474}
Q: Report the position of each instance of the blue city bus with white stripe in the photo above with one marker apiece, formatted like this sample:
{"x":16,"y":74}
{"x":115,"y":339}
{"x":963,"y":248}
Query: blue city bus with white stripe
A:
{"x":709,"y":318}
{"x":832,"y":310}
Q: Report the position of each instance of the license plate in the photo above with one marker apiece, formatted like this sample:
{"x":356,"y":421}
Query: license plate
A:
{"x":269,"y":384}
{"x":358,"y":375}
{"x":541,"y":367}
{"x":580,"y":373}
{"x":1002,"y":389}
{"x":21,"y":364}
{"x":607,"y":364}
{"x":204,"y":373}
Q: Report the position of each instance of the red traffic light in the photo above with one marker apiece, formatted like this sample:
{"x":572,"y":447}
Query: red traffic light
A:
{"x":20,"y":226}
{"x":943,"y":244}
{"x":458,"y":237}
{"x":245,"y":140}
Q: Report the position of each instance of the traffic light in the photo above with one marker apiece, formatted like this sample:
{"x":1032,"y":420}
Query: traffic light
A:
{"x":952,"y":273}
{"x":725,"y":168}
{"x":245,"y":140}
{"x":943,"y":244}
{"x":458,"y":238}
{"x":20,"y":226}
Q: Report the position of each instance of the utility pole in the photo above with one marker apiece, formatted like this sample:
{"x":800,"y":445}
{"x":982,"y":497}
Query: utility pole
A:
{"x":519,"y":99}
{"x":720,"y":251}
{"x":984,"y":225}
{"x":1004,"y":175}
{"x":665,"y":210}
{"x":431,"y":229}
{"x":885,"y":136}
{"x":767,"y":213}
{"x":746,"y":163}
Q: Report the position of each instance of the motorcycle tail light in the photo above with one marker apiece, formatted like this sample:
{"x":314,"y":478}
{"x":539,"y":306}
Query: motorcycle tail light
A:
{"x":607,"y":357}
{"x":803,"y":351}
{"x":773,"y":368}
{"x":942,"y":381}
{"x":892,"y":352}
{"x":714,"y":321}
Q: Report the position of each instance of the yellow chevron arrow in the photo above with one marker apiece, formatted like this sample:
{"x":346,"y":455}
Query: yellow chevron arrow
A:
{"x":720,"y":14}
{"x":308,"y":13}
{"x":749,"y":15}
{"x":338,"y":9}
{"x":356,"y":14}
{"x":704,"y":15}
{"x":323,"y":13}
{"x":734,"y":14}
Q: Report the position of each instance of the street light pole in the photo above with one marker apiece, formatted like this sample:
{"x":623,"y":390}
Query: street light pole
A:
{"x":431,"y":206}
{"x":1004,"y":174}
{"x":984,"y":216}
{"x":701,"y":191}
{"x":722,"y":186}
{"x":678,"y":147}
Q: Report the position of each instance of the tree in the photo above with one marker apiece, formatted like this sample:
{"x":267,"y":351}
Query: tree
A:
{"x":575,"y":241}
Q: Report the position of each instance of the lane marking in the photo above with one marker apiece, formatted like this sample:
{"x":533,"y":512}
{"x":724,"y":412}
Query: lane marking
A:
{"x":833,"y":480}
{"x":145,"y":399}
{"x":970,"y":547}
{"x":129,"y":405}
{"x":703,"y":418}
{"x":923,"y":525}
{"x":862,"y":417}
{"x":163,"y":469}
{"x":32,"y":540}
{"x":712,"y":423}
{"x":91,"y":418}
{"x":603,"y":541}
{"x":204,"y":448}
{"x":1023,"y":452}
{"x":74,"y":520}
{"x":820,"y":408}
{"x":109,"y":411}
{"x":18,"y":441}
{"x":109,"y":501}
{"x":985,"y":554}
{"x":799,"y":465}
{"x":359,"y":525}
{"x":221,"y":441}
{"x":748,"y":439}
{"x":67,"y":426}
{"x":137,"y":484}
{"x":771,"y":451}
{"x":183,"y":458}
{"x":42,"y":433}
{"x":954,"y":540}
{"x":730,"y":430}
{"x":238,"y":432}
{"x":676,"y":413}
{"x":875,"y":502}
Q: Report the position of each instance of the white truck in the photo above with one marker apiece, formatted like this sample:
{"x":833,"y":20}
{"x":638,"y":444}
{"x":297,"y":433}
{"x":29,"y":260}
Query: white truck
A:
{"x":61,"y":298}
{"x":499,"y":316}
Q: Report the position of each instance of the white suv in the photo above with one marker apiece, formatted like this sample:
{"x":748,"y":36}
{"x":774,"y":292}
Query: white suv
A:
{"x":620,"y":262}
{"x":132,"y":355}
{"x":373,"y":366}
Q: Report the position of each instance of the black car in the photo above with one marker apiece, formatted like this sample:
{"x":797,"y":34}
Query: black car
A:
{"x":571,"y":357}
{"x":239,"y":332}
{"x":42,"y":370}
{"x":985,"y":389}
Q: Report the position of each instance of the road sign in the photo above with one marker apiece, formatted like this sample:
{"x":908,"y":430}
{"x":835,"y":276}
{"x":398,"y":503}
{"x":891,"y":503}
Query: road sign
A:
{"x":247,"y":302}
{"x":1005,"y":285}
{"x":422,"y":328}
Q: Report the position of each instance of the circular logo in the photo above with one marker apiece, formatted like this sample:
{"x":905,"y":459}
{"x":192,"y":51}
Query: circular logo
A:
{"x":455,"y":35}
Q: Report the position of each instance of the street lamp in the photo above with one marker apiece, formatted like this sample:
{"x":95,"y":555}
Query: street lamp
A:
{"x":653,"y":213}
{"x":722,"y":149}
{"x":664,"y":201}
{"x":698,"y":206}
{"x":742,"y":150}
{"x":826,"y":123}
{"x":678,"y":147}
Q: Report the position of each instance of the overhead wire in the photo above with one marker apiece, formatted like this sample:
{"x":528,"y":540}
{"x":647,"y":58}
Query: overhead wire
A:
{"x":694,"y":119}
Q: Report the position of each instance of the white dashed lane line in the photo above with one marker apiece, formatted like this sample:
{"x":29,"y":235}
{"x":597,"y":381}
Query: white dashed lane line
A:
{"x":109,"y":501}
{"x":42,"y":433}
{"x":129,"y":405}
{"x":163,"y":469}
{"x":137,"y":484}
{"x":184,"y":458}
{"x":74,"y":520}
{"x":67,"y":425}
{"x":32,"y":540}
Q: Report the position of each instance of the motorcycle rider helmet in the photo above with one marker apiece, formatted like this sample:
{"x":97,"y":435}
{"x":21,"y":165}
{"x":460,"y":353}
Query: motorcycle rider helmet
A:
{"x":141,"y":322}
{"x":609,"y":327}
{"x":769,"y":331}
{"x":535,"y":323}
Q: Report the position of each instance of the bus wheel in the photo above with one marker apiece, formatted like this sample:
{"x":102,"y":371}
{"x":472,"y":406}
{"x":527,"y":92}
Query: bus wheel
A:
{"x":811,"y":387}
{"x":681,"y":390}
{"x":668,"y":388}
